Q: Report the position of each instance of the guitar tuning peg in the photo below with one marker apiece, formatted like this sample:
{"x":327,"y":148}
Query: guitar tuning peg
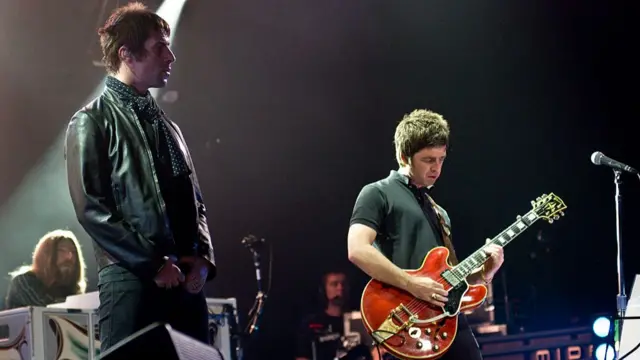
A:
{"x":561,"y":213}
{"x":556,"y":217}
{"x":519,"y":217}
{"x":550,"y":221}
{"x":533,"y":203}
{"x":538,"y":198}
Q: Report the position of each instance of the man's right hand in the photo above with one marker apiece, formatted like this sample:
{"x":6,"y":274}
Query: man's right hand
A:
{"x":170,"y":275}
{"x":428,"y":290}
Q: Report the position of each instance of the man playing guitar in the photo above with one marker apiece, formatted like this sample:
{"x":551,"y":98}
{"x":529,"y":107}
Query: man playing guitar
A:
{"x":395,"y":222}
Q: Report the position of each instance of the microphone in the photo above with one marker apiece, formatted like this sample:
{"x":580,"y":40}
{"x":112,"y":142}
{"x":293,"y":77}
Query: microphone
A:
{"x":599,"y":158}
{"x":339,"y":300}
{"x":251,"y":241}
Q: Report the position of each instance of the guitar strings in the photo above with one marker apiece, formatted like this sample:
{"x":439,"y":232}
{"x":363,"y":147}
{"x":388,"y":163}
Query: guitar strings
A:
{"x":418,"y":305}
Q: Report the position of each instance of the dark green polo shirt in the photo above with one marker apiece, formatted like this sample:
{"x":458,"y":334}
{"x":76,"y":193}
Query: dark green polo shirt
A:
{"x":401,"y":214}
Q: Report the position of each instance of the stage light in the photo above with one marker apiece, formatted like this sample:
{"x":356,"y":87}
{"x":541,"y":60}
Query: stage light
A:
{"x":605,"y":348}
{"x":601,"y":326}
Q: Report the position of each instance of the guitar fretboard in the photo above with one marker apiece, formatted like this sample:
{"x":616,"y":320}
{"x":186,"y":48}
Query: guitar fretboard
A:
{"x":475,"y":260}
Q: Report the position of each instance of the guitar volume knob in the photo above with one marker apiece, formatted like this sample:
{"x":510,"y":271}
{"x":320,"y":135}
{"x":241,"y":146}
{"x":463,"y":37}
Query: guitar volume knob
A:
{"x":444,"y":335}
{"x":436,"y":347}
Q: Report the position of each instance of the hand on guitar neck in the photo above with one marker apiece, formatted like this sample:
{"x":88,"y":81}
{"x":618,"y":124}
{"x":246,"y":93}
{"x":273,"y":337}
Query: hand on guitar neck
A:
{"x":494,"y":262}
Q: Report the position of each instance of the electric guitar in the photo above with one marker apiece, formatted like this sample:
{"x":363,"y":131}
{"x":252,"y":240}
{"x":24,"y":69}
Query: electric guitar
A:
{"x":410,"y":328}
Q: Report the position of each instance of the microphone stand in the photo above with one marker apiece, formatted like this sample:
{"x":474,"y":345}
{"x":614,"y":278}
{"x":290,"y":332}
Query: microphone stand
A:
{"x":507,"y":309}
{"x":260,"y":296}
{"x":621,"y":299}
{"x":253,"y":243}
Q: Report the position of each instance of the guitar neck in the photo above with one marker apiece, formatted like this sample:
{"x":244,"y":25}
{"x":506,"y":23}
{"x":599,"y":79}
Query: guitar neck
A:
{"x":475,"y":260}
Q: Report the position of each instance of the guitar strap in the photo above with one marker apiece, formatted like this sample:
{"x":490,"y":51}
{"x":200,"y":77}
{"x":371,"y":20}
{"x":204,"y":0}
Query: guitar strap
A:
{"x":446,"y":232}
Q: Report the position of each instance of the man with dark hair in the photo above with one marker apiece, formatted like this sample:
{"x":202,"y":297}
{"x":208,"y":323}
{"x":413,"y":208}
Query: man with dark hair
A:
{"x":56,"y":271}
{"x":320,"y":332}
{"x":395,"y":222}
{"x":135,"y":191}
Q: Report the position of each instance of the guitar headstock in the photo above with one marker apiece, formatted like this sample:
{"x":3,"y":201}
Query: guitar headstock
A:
{"x":549,"y":207}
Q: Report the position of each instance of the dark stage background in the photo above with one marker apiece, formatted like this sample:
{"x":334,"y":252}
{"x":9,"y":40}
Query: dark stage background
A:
{"x":289,"y":108}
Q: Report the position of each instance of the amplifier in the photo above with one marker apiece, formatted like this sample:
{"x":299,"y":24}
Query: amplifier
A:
{"x":563,"y":344}
{"x":41,"y":333}
{"x":223,"y":317}
{"x":223,"y":320}
{"x":355,"y":329}
{"x":160,"y":342}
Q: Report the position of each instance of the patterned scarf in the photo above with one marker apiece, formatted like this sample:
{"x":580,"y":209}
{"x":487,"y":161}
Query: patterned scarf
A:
{"x":147,"y":109}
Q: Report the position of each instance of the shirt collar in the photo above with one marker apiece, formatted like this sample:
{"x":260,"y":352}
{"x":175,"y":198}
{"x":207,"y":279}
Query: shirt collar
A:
{"x":143,"y":104}
{"x":125,"y":91}
{"x":397,"y":176}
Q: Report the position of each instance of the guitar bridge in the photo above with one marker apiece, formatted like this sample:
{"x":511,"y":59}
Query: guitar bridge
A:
{"x":389,"y":328}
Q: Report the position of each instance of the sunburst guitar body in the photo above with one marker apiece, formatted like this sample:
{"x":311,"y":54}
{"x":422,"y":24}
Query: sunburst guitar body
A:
{"x":410,"y":328}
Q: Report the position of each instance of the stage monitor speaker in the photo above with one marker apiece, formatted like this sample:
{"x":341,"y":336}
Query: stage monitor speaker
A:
{"x":160,"y":342}
{"x":630,"y":335}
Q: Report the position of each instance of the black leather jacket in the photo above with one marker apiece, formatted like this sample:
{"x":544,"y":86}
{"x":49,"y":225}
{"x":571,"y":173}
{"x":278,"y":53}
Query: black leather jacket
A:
{"x":115,"y":191}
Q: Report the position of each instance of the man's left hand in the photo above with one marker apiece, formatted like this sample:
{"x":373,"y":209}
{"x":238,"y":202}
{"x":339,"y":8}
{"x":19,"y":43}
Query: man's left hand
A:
{"x":496,"y":258}
{"x":197,"y":276}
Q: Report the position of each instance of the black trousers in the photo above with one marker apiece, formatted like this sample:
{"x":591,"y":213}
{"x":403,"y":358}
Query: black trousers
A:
{"x":464,"y":347}
{"x":128,"y":305}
